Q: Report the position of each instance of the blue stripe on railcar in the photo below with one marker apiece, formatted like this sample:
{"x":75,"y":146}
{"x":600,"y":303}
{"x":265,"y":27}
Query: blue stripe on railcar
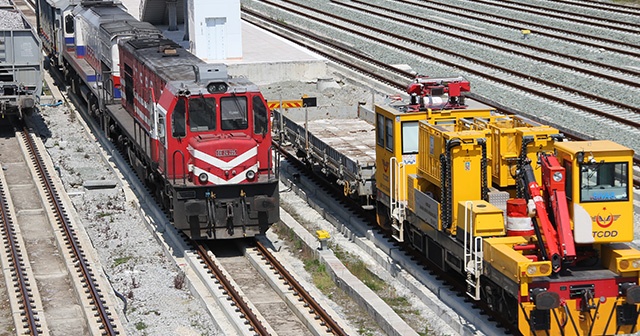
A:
{"x":70,"y":40}
{"x":116,"y":93}
{"x":80,"y":51}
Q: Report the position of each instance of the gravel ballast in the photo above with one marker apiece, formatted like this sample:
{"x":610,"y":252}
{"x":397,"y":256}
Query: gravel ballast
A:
{"x":134,"y":261}
{"x":10,"y":19}
{"x":561,"y":114}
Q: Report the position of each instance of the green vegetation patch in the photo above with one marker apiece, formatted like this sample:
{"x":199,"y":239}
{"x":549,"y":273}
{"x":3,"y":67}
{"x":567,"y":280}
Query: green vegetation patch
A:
{"x":141,"y":325}
{"x":120,"y":261}
{"x":103,"y":214}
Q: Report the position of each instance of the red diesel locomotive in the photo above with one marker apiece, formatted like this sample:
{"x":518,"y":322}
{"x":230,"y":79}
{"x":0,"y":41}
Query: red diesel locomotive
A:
{"x":200,"y":138}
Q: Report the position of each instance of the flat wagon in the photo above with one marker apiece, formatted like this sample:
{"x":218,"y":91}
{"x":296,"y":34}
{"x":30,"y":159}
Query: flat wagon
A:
{"x":342,"y":149}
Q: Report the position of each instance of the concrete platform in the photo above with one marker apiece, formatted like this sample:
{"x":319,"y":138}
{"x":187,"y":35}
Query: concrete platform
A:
{"x":266,"y":58}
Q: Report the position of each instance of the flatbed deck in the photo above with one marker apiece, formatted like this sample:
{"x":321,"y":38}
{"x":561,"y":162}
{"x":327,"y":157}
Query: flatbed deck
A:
{"x":343,"y":148}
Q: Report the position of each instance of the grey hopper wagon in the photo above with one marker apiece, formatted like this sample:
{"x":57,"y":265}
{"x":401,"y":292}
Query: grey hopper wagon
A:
{"x":20,"y":63}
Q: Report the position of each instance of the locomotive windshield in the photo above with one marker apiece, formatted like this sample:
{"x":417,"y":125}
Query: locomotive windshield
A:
{"x":202,"y":114}
{"x":604,"y":182}
{"x":233,"y":113}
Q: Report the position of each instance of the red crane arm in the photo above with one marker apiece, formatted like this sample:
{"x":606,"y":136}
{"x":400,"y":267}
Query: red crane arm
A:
{"x":548,"y":231}
{"x":553,"y":175}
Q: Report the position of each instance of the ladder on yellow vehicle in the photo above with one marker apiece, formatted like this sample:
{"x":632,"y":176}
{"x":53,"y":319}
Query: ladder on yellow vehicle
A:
{"x":473,"y":252}
{"x":397,"y":201}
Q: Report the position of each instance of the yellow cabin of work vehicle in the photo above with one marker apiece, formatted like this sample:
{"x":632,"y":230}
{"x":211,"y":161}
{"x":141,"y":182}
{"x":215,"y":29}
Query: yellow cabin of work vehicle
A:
{"x":537,"y":226}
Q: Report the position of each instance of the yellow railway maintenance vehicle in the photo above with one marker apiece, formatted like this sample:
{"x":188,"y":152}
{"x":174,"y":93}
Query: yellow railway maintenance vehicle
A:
{"x":537,"y":226}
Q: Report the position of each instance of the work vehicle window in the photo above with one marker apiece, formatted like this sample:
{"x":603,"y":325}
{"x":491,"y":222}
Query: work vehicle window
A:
{"x":380,"y":130}
{"x":604,"y":182}
{"x":233,"y":113}
{"x":389,"y":134}
{"x":260,"y":116}
{"x":202,"y":114}
{"x":178,"y":120}
{"x":410,"y":137}
{"x":568,"y":181}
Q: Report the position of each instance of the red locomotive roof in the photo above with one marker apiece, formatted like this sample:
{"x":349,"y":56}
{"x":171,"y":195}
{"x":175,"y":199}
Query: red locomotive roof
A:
{"x":173,"y":63}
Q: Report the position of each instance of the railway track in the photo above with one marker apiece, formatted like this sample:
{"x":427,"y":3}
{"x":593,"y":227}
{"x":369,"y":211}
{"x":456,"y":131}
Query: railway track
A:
{"x":14,"y":244}
{"x":485,"y":69}
{"x":614,"y":74}
{"x":601,"y":5}
{"x":45,"y":251}
{"x":577,"y":36}
{"x":28,"y":9}
{"x":567,"y":15}
{"x":266,"y":294}
{"x":393,"y":77}
{"x":311,"y":317}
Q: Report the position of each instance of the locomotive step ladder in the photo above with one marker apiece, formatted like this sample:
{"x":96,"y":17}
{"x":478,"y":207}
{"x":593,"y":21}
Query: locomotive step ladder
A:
{"x":397,"y":193}
{"x":473,"y":254}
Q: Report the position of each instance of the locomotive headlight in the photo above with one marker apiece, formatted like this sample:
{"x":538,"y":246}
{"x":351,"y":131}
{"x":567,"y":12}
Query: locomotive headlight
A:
{"x":203,"y":178}
{"x":532,"y":269}
{"x":557,"y":176}
{"x":251,"y":175}
{"x":217,"y":87}
{"x":636,"y":263}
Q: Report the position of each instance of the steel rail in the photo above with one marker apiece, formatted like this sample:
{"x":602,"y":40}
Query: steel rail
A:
{"x":76,"y":250}
{"x":605,"y":6}
{"x":331,"y":324}
{"x":245,"y":310}
{"x":564,"y":15}
{"x":365,"y":33}
{"x":451,"y":8}
{"x":511,"y":43}
{"x":30,"y":320}
{"x":394,"y":71}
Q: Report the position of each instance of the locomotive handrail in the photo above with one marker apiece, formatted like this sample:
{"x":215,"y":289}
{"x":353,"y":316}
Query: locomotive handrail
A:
{"x":108,"y":83}
{"x":184,"y":177}
{"x":276,"y":168}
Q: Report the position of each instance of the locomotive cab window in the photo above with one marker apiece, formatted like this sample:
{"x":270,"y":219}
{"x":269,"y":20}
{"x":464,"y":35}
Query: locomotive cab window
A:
{"x":260,"y":116}
{"x":202,"y":114}
{"x":604,"y":182}
{"x":161,"y":133}
{"x":233,"y":113}
{"x":178,"y":119}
